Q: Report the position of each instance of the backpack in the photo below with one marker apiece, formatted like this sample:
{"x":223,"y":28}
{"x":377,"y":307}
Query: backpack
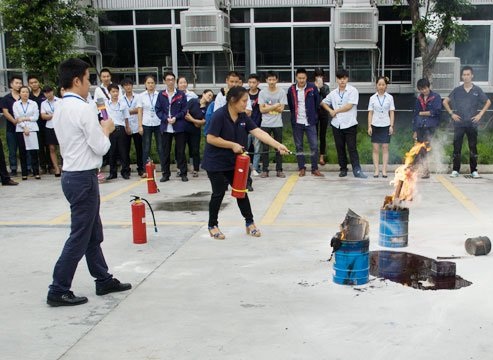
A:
{"x":208,"y":117}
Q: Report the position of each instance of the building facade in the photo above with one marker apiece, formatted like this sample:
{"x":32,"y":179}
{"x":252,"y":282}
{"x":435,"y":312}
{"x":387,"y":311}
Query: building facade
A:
{"x":143,"y":37}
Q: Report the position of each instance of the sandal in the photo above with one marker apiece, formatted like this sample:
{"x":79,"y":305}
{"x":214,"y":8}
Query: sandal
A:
{"x":253,"y":231}
{"x":216,"y":233}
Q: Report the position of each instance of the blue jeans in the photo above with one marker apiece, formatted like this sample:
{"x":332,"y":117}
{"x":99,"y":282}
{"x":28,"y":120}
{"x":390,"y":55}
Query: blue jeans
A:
{"x":146,"y":143}
{"x":311,"y":135}
{"x":256,"y":149}
{"x":81,"y":190}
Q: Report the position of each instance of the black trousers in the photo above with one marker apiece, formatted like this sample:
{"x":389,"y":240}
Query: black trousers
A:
{"x":81,"y":190}
{"x":346,"y":138}
{"x":277,"y":134}
{"x":472,"y":139}
{"x":137,"y":140}
{"x":4,"y":175}
{"x":322,"y":125}
{"x":120,"y":147}
{"x":23,"y":155}
{"x":193,"y":137}
{"x":181,"y":161}
{"x":219,"y":182}
{"x":44,"y":149}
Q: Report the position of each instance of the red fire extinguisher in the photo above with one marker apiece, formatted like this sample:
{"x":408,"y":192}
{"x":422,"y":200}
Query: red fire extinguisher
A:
{"x":242,"y":165}
{"x":151,"y":178}
{"x":139,"y":219}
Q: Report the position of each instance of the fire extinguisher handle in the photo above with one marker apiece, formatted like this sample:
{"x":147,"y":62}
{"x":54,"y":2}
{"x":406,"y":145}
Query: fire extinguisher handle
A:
{"x":135,"y":198}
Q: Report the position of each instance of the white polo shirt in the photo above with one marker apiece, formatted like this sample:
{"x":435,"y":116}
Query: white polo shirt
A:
{"x":81,"y":138}
{"x":118,"y":112}
{"x":147,"y":102}
{"x":48,"y":108}
{"x":381,"y":107}
{"x":338,"y":99}
{"x":130,"y":104}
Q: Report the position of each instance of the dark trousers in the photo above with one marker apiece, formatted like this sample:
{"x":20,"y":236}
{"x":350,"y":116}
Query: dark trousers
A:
{"x":311,"y":135}
{"x":276,"y":132}
{"x":4,"y":175}
{"x":323,"y":123}
{"x":44,"y":150}
{"x":24,"y":156}
{"x":472,"y":140}
{"x":219,"y":182}
{"x":12,"y":145}
{"x":181,"y":162}
{"x":346,"y":138}
{"x":120,"y":147}
{"x":192,"y":139}
{"x":147,"y":140}
{"x":137,"y":140}
{"x":86,"y":234}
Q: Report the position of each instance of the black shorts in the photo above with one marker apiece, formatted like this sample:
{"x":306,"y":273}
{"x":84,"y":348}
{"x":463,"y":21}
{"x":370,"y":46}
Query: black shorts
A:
{"x":380,"y":134}
{"x":50,"y":137}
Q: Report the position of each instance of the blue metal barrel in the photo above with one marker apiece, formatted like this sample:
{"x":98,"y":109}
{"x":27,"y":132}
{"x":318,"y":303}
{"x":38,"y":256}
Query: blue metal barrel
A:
{"x":352,"y":262}
{"x":393,"y":228}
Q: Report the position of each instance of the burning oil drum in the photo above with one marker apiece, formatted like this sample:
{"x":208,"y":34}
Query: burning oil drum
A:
{"x":352,"y":262}
{"x":393,"y":228}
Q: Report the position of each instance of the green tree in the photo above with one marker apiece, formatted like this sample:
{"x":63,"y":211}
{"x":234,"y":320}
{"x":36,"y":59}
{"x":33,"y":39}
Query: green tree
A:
{"x":435,"y":26}
{"x":42,"y":33}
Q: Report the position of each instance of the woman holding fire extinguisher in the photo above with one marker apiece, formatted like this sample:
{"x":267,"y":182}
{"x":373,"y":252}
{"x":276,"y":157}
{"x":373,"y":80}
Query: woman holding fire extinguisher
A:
{"x":227,"y":136}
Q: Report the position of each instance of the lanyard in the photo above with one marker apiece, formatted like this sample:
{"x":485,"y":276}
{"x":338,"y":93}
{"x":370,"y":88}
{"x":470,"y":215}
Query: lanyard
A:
{"x":129,"y":104}
{"x":382,"y":102}
{"x":74,"y":96}
{"x":110,"y":104}
{"x":151,"y":100}
{"x":341,"y":96}
{"x":25,"y":110}
{"x":51,"y":107}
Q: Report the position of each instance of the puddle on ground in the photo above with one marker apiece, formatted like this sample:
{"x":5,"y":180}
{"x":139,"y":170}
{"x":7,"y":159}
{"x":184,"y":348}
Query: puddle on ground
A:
{"x":198,"y":194}
{"x":414,"y":270}
{"x":185,"y":205}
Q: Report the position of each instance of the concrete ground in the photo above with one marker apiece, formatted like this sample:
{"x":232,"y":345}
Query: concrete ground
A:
{"x":244,"y":298}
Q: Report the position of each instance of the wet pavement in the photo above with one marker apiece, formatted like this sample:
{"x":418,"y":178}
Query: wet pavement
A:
{"x":271,"y":297}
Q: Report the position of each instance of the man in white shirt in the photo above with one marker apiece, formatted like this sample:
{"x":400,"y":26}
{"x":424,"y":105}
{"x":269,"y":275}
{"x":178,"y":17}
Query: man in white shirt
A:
{"x":130,"y":101}
{"x":102,"y":92}
{"x":83,"y":142}
{"x":341,"y":103}
{"x":232,"y":79}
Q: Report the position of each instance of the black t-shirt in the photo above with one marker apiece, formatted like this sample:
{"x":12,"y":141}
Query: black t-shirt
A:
{"x":256,"y":114}
{"x":38,"y":100}
{"x":8,"y":103}
{"x":220,"y":159}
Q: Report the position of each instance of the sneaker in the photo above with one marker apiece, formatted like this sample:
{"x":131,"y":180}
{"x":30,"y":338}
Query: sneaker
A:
{"x":454,"y":174}
{"x":343,"y":173}
{"x":475,"y":175}
{"x":255,"y":173}
{"x":359,"y":174}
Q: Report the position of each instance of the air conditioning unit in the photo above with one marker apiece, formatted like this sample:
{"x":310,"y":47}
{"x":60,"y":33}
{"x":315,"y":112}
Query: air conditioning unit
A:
{"x":356,"y":28}
{"x":205,"y":31}
{"x":87,"y":44}
{"x":446,"y":73}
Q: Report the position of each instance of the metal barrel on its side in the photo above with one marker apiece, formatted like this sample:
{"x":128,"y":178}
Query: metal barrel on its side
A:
{"x":352,"y":263}
{"x":393,"y":228}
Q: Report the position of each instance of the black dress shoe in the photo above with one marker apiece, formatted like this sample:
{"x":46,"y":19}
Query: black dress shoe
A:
{"x":164,"y":179}
{"x":10,"y":182}
{"x":184,"y":178}
{"x":126,"y":176}
{"x":13,"y":173}
{"x":110,"y":177}
{"x":360,"y":174}
{"x":67,"y":299}
{"x":114,"y":285}
{"x":249,"y":188}
{"x":342,"y":173}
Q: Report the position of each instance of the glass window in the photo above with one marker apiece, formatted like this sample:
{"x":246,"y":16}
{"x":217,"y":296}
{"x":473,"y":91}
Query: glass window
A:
{"x":475,"y":50}
{"x":273,"y":15}
{"x":312,"y":14}
{"x":151,"y":17}
{"x":393,"y":13}
{"x":177,"y":15}
{"x":239,"y":16}
{"x":357,"y":62}
{"x":203,"y":65}
{"x":311,"y":47}
{"x":479,"y":12}
{"x":154,"y":49}
{"x":117,"y":48}
{"x":398,"y":63}
{"x":273,"y":51}
{"x":114,"y":18}
{"x":240,"y":44}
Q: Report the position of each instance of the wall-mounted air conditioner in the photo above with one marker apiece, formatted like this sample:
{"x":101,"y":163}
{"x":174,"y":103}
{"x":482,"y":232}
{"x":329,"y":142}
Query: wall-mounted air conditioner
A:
{"x":445,"y":74}
{"x":205,"y":31}
{"x":356,"y":28}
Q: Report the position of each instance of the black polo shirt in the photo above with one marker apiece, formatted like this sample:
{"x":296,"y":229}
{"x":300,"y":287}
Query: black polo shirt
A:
{"x":467,"y":104}
{"x":220,"y":159}
{"x":38,"y":100}
{"x":8,"y":103}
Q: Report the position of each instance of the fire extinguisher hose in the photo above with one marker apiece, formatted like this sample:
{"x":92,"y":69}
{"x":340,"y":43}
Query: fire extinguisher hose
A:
{"x":135,"y":197}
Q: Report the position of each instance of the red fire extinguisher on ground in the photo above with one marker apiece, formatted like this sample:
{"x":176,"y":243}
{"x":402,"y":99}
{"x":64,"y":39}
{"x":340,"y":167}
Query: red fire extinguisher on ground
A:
{"x":151,"y":178}
{"x":242,"y":166}
{"x":139,"y":219}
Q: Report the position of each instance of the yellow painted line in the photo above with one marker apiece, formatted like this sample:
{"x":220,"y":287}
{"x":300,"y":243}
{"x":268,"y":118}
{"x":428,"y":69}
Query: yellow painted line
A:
{"x":276,"y":206}
{"x":463,"y":199}
{"x":64,"y":218}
